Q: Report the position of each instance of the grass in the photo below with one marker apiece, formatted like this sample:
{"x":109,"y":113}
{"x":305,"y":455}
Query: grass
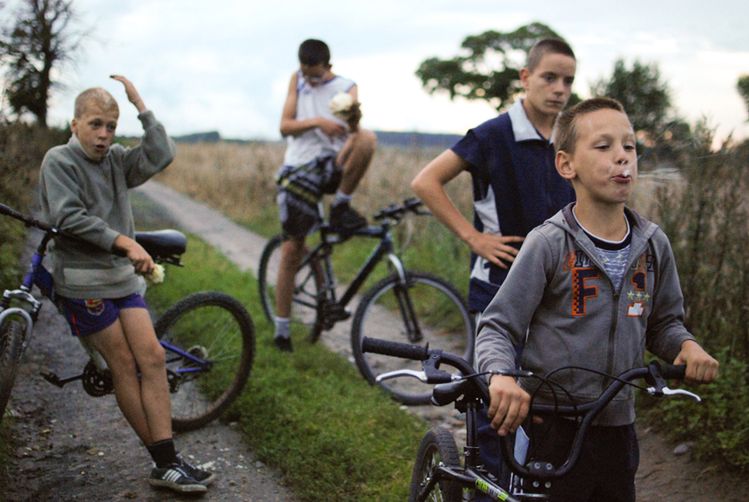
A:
{"x":309,"y":413}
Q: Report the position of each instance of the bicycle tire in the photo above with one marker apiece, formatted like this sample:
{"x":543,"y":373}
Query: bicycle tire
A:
{"x":437,"y":446}
{"x":218,"y":328}
{"x":441,"y":314}
{"x":11,"y":348}
{"x":305,"y":306}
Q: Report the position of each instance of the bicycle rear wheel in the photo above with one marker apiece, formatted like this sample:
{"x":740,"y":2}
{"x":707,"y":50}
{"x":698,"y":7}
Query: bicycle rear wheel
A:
{"x":426,"y":310}
{"x":11,"y":347}
{"x":216,"y":328}
{"x":308,"y":282}
{"x":437,"y":446}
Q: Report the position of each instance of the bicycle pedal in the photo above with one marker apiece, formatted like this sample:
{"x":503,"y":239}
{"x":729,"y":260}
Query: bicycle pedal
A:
{"x":337,"y":313}
{"x":51,"y":378}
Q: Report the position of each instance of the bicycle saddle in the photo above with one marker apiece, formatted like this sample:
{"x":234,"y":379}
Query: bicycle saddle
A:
{"x":162,"y":243}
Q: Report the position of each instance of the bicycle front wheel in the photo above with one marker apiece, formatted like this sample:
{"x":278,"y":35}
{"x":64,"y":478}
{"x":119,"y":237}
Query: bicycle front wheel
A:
{"x":307,"y":285}
{"x":437,"y":446}
{"x":11,"y":346}
{"x":425,"y":309}
{"x":218,"y":331}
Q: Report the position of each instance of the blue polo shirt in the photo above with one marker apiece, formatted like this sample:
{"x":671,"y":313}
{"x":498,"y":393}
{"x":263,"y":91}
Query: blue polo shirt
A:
{"x":515,"y":188}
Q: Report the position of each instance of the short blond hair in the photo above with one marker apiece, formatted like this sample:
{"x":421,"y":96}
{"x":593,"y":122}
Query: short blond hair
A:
{"x":97,"y":96}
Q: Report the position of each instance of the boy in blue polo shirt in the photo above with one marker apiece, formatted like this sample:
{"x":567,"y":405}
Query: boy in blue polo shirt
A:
{"x":511,"y":162}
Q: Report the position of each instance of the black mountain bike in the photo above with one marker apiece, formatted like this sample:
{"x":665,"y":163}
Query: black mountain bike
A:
{"x":408,"y":306}
{"x":209,"y":337}
{"x":438,"y":473}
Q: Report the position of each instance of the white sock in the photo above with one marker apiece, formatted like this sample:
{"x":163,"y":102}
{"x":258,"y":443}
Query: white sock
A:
{"x":341,"y":198}
{"x":282,"y":327}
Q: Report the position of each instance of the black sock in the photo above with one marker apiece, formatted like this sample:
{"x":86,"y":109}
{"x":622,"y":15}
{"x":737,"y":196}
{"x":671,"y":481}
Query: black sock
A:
{"x":163,"y":452}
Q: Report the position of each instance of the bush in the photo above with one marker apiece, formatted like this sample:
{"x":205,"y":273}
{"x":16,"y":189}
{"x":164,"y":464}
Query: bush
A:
{"x":706,"y":219}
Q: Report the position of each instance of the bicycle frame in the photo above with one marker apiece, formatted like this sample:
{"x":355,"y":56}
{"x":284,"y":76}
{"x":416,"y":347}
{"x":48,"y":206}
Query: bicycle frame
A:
{"x":325,"y":249}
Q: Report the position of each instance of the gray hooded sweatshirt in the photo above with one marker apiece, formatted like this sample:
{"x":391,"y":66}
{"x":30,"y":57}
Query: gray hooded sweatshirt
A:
{"x":90,"y":200}
{"x":558,"y":308}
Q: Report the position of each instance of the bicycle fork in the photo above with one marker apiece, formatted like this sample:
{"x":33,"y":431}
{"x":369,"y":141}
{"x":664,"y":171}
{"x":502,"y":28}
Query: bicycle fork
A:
{"x":405,"y":305}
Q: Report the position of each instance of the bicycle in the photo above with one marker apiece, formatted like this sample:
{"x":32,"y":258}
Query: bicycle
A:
{"x":208,"y":337}
{"x":412,"y":306}
{"x":438,"y":473}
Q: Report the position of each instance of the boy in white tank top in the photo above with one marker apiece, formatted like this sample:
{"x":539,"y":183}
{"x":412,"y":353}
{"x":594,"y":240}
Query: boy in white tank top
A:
{"x":325,"y":154}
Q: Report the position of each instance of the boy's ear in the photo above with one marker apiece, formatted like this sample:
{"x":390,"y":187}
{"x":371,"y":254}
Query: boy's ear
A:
{"x":524,"y":74}
{"x":74,"y":126}
{"x":565,"y":168}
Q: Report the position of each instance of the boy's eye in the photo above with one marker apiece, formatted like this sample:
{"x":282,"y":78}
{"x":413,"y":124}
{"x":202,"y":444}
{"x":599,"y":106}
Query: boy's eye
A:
{"x":601,"y":146}
{"x":96,"y":124}
{"x":111,"y":127}
{"x":569,"y":80}
{"x":550,"y":78}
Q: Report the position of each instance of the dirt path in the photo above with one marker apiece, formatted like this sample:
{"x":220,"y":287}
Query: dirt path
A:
{"x":55,"y":460}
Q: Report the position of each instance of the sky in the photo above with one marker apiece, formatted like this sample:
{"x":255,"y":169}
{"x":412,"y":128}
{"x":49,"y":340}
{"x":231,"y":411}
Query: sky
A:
{"x":225,"y":65}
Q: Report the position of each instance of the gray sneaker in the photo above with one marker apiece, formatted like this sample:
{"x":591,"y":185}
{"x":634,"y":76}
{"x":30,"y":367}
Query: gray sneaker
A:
{"x":175,"y":478}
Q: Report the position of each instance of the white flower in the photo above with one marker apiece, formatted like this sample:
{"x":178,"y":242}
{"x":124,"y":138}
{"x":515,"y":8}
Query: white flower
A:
{"x":156,"y":276}
{"x":341,"y":103}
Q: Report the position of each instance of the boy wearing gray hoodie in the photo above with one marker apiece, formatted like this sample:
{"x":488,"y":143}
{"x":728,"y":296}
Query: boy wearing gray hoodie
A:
{"x":84,"y":191}
{"x":593,"y":286}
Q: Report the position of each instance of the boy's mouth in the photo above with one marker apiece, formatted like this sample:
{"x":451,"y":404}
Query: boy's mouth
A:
{"x":623,"y":177}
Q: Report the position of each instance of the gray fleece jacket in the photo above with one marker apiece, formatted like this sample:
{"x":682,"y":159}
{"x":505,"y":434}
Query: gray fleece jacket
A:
{"x":558,"y":307}
{"x":90,"y":200}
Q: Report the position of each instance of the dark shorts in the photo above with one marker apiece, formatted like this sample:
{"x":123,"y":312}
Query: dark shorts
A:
{"x":89,"y":316}
{"x":605,"y":470}
{"x":300,"y":189}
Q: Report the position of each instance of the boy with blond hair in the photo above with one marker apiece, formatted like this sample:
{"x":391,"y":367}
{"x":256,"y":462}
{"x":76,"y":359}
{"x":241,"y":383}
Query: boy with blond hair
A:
{"x":98,"y":276}
{"x":592,"y":287}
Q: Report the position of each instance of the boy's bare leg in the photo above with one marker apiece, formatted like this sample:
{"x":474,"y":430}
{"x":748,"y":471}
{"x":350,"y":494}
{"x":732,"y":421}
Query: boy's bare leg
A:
{"x":355,"y":157}
{"x":151,"y":359}
{"x":292,"y":252}
{"x":112,"y":345}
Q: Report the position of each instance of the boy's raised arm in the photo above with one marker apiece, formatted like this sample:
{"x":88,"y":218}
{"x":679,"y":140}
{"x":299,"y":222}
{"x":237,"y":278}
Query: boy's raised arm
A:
{"x":132,"y":93}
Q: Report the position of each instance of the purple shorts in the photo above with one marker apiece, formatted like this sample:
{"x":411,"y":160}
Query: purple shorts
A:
{"x":89,"y":316}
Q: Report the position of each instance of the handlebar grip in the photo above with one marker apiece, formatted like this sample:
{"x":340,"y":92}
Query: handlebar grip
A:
{"x":12,"y":212}
{"x":671,"y":372}
{"x":395,"y":349}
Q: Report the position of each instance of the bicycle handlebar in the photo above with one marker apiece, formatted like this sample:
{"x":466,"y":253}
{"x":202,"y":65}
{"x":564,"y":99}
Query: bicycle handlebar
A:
{"x":29,"y":221}
{"x":396,"y":211}
{"x":655,"y":374}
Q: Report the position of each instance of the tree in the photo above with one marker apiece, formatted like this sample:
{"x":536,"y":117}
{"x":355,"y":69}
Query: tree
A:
{"x":743,"y":87}
{"x":490,"y":68}
{"x":645,"y":97}
{"x":40,"y":39}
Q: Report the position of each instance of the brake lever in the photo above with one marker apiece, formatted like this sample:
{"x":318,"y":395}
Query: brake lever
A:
{"x":419,"y":375}
{"x":666,"y":391}
{"x":681,"y":392}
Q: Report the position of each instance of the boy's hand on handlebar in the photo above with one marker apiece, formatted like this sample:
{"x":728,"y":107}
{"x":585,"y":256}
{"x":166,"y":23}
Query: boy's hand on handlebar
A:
{"x":495,"y":248}
{"x":138,"y":256}
{"x":509,"y":404}
{"x":701,"y":366}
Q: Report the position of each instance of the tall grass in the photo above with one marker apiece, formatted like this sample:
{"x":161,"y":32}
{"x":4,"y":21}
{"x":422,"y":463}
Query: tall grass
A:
{"x":707,"y":220}
{"x":238,"y":179}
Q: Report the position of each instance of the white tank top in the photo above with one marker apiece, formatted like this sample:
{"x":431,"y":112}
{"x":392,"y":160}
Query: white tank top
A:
{"x":315,"y":102}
